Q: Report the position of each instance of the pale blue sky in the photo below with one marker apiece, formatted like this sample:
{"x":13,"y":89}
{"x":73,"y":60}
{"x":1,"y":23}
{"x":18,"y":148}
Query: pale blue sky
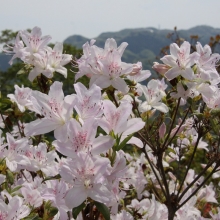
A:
{"x":89,"y":18}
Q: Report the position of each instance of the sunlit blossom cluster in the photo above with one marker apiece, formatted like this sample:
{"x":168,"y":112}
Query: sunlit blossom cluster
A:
{"x":88,"y":158}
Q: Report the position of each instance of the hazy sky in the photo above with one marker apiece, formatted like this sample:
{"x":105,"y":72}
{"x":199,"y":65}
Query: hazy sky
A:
{"x":89,"y":18}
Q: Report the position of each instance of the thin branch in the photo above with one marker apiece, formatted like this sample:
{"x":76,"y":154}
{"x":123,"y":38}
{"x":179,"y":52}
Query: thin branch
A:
{"x":146,"y":141}
{"x":171,"y":127}
{"x":152,"y":167}
{"x":178,"y":127}
{"x":198,"y":188}
{"x":194,"y":181}
{"x":189,"y":165}
{"x":162,"y":172}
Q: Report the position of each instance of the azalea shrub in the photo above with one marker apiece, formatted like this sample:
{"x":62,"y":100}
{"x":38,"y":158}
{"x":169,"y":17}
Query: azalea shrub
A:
{"x":124,"y":146}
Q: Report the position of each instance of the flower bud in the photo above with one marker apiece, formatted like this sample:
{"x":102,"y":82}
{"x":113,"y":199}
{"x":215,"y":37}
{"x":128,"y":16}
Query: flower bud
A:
{"x":162,"y":130}
{"x":160,"y":68}
{"x":136,"y":69}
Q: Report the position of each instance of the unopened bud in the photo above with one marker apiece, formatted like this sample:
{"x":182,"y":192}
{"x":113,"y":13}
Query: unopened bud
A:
{"x":162,"y":130}
{"x":160,"y":68}
{"x":136,"y":69}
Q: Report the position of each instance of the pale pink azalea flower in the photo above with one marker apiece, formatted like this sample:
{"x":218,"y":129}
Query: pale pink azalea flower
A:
{"x":14,"y":209}
{"x":34,"y":42}
{"x":142,"y":207}
{"x":201,"y":145}
{"x":119,"y":167}
{"x":89,"y":64}
{"x":180,"y":93}
{"x":117,"y":120}
{"x":57,"y":59}
{"x":155,"y":210}
{"x":199,"y":86}
{"x":12,"y":153}
{"x":41,"y":65}
{"x":111,"y":71}
{"x":162,"y":86}
{"x":196,"y":88}
{"x":111,"y":45}
{"x":27,"y":181}
{"x":136,"y":205}
{"x":17,"y":49}
{"x":180,"y":61}
{"x":135,"y":176}
{"x":22,"y":97}
{"x":56,"y":111}
{"x":31,"y":196}
{"x":213,"y":101}
{"x":153,"y":97}
{"x":187,"y":126}
{"x":49,"y":61}
{"x":206,"y":65}
{"x":87,"y":176}
{"x":89,"y":103}
{"x":38,"y":158}
{"x":83,"y":139}
{"x":121,"y":97}
{"x":117,"y":196}
{"x":117,"y":174}
{"x":55,"y":192}
{"x":104,"y":66}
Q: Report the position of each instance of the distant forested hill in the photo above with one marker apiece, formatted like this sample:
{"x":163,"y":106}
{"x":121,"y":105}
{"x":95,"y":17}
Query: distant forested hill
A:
{"x":144,"y":43}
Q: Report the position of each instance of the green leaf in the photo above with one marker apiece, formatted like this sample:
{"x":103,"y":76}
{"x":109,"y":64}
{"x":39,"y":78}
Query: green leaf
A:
{"x":170,"y":150}
{"x":130,"y":82}
{"x":77,"y":210}
{"x":16,"y":189}
{"x":103,"y":209}
{"x":33,"y":216}
{"x":213,"y":123}
{"x":52,"y":178}
{"x":9,"y":176}
{"x":124,"y":142}
{"x":21,"y":71}
{"x":5,"y":100}
{"x":52,"y":212}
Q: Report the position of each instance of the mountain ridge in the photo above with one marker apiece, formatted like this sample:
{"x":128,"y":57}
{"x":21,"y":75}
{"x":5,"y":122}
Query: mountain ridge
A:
{"x":144,"y":44}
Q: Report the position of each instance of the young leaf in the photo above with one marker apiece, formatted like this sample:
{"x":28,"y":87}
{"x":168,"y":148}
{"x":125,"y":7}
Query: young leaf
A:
{"x":77,"y":210}
{"x":52,"y":178}
{"x":124,"y":142}
{"x":103,"y":209}
{"x":33,"y":216}
{"x":16,"y":189}
{"x":9,"y":176}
